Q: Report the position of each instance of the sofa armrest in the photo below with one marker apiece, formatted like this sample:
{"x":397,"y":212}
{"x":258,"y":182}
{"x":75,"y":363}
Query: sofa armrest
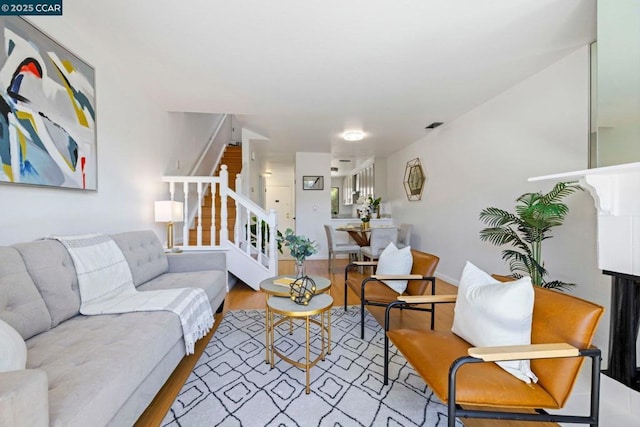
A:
{"x":197,"y":261}
{"x":427,"y":299}
{"x":24,"y":398}
{"x":521,"y":352}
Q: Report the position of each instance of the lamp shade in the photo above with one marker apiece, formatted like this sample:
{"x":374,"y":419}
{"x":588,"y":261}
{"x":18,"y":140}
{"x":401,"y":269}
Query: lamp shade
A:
{"x":169,"y":211}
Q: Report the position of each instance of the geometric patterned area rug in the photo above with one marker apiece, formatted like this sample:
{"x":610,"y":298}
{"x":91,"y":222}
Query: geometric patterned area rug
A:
{"x":232,"y":385}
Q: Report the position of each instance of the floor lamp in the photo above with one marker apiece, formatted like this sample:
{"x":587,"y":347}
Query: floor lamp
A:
{"x":169,"y":211}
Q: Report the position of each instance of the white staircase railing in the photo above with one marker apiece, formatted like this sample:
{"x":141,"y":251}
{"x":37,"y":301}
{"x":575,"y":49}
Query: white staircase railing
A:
{"x":252,"y":250}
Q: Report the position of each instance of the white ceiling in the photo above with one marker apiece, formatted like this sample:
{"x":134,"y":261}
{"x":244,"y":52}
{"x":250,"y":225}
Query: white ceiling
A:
{"x":302,"y":72}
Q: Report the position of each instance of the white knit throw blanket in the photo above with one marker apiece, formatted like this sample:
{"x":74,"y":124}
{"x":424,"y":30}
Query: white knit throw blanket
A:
{"x":106,"y":287}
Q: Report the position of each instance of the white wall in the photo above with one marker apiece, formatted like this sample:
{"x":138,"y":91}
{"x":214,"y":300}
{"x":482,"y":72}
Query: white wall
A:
{"x":313,"y":207}
{"x":484,"y":159}
{"x":136,"y":143}
{"x":189,"y":135}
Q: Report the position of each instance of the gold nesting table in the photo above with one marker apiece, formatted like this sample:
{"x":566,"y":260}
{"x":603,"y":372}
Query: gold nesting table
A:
{"x":319,"y":305}
{"x":279,"y":302}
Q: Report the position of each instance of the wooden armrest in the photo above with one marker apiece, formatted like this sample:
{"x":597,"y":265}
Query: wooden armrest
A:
{"x":397,"y":277}
{"x":365,"y":263}
{"x":426,"y":299}
{"x":519,"y":352}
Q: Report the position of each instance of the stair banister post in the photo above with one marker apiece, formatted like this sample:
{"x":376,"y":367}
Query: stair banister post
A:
{"x":273,"y":252}
{"x":237,"y":225}
{"x":212,"y":228}
{"x":224,"y":186}
{"x":185,"y":223}
{"x":238,"y":183}
{"x":199,"y":226}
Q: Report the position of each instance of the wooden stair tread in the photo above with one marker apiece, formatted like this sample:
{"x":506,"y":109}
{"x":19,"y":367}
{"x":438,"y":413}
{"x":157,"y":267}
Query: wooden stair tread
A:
{"x":232,"y":158}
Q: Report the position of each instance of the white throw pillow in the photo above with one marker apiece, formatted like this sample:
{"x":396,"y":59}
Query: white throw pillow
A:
{"x":395,"y":261}
{"x":492,"y":313}
{"x":13,"y":350}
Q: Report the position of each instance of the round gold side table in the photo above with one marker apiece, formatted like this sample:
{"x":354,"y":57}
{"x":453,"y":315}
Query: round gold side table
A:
{"x":269,"y":288}
{"x":319,"y":305}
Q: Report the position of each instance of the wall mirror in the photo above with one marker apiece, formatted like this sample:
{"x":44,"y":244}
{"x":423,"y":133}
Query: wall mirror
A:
{"x":615,"y":87}
{"x":414,"y":179}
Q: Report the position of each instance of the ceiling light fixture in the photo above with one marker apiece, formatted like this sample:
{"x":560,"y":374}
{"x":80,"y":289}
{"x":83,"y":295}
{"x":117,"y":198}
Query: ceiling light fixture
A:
{"x":353,"y":135}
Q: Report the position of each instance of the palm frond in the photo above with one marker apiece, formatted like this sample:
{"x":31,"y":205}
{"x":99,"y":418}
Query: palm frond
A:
{"x":560,"y":191}
{"x":495,"y":217}
{"x":558,"y":285}
{"x":497,"y":235}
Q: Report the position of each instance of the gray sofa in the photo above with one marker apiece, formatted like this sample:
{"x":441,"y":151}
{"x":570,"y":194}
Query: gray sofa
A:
{"x":93,"y":370}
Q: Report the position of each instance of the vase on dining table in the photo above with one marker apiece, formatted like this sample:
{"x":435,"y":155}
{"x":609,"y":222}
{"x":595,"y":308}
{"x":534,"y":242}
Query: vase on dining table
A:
{"x":365,"y":225}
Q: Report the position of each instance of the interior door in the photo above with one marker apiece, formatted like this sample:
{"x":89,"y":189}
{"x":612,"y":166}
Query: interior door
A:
{"x":279,"y":197}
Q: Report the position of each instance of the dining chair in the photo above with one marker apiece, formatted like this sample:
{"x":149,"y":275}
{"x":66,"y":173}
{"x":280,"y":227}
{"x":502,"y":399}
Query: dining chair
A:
{"x":404,"y":235}
{"x":338,"y":248}
{"x":380,"y":238}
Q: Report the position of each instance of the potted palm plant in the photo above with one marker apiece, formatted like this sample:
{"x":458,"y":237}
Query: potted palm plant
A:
{"x":525,"y":230}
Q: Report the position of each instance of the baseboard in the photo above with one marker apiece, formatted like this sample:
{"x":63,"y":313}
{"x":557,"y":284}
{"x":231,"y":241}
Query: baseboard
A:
{"x":448,"y":279}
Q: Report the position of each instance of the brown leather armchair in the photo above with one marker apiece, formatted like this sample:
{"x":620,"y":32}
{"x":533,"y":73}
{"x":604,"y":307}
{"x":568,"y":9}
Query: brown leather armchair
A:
{"x":562,"y":330}
{"x":372,"y":291}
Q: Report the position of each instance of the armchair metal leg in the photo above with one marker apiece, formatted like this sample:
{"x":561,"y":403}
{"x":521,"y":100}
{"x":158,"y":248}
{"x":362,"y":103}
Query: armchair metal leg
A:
{"x":362,"y":318}
{"x":345,"y":295}
{"x":345,"y":287}
{"x":387,"y":325}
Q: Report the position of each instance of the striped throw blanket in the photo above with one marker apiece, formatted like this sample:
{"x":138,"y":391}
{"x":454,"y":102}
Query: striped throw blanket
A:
{"x":106,"y":287}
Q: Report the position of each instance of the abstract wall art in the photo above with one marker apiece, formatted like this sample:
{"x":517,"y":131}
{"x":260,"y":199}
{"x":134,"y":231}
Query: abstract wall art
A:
{"x":47,"y":111}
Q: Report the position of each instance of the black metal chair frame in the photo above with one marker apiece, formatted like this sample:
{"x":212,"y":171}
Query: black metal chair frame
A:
{"x":364,"y":302}
{"x":455,"y":410}
{"x":541,"y":415}
{"x":401,"y":305}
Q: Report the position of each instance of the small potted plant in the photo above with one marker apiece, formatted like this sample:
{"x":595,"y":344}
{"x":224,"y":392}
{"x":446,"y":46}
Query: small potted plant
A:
{"x":368,"y":205}
{"x":375,"y":205}
{"x":300,"y":247}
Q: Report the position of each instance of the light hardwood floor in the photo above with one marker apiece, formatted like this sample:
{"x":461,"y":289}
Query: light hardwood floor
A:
{"x":242,"y":296}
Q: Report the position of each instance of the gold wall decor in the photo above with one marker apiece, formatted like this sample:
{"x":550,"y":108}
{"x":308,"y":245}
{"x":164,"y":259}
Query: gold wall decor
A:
{"x":414,"y":179}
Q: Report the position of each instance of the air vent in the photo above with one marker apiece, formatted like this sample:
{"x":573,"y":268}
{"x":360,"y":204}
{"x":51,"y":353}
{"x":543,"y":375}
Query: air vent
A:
{"x":434,"y":125}
{"x":345,"y":161}
{"x":334,"y":169}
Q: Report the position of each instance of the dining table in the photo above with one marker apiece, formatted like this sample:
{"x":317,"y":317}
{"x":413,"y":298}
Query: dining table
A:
{"x":361,"y":235}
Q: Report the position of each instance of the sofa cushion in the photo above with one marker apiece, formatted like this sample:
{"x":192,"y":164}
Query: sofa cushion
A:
{"x":52,"y":271}
{"x":21,"y":305}
{"x":95,"y":363}
{"x":13,"y":350}
{"x":144,"y":254}
{"x":492,"y":313}
{"x":212,"y":281}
